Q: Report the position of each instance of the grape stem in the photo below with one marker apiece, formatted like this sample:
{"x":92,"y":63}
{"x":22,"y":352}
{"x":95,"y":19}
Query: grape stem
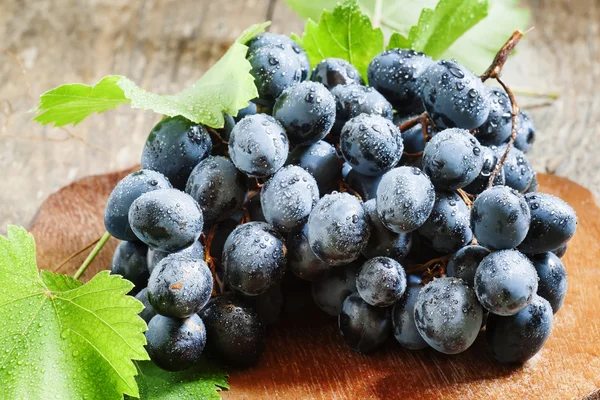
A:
{"x":92,"y":255}
{"x":72,"y":256}
{"x":211,"y":261}
{"x":466,"y":197}
{"x":432,"y":268}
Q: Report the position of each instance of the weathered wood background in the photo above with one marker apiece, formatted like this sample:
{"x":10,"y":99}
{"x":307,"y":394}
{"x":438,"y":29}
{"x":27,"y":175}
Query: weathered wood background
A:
{"x":165,"y":45}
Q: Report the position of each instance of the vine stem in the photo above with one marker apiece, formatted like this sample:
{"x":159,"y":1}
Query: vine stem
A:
{"x":92,"y":255}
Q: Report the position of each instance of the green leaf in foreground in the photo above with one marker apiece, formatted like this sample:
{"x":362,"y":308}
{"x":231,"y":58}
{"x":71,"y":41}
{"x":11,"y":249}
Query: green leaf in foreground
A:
{"x":346,"y":32}
{"x":59,"y":338}
{"x":202,"y":381}
{"x":251,"y":32}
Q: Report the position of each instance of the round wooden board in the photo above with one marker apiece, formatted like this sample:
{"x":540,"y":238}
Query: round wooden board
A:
{"x":306,"y":358}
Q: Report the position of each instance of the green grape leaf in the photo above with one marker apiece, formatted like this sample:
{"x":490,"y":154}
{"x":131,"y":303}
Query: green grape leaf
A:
{"x":252,"y":31}
{"x":203,"y":381}
{"x":346,"y":32}
{"x":61,"y":339}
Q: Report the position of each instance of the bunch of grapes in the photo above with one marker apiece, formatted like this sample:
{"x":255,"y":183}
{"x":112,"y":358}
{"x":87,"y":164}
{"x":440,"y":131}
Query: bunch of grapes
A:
{"x":430,"y":233}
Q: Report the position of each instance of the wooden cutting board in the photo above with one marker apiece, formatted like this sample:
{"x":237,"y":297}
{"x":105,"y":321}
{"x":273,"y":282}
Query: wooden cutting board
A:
{"x":306,"y":358}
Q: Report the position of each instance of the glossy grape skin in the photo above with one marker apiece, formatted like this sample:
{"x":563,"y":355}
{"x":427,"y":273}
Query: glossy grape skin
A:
{"x":561,"y":251}
{"x":301,"y":259}
{"x":258,"y":146}
{"x":195,"y":251}
{"x":254,"y":258}
{"x":179,"y":286}
{"x":552,"y":285}
{"x":175,"y":344}
{"x":353,"y":100}
{"x":330,"y":291}
{"x":553,"y":223}
{"x":448,"y":227}
{"x":116,"y":214}
{"x":464,"y":263}
{"x":518,"y":172}
{"x":382,"y":241}
{"x":448,"y":315}
{"x":174,"y":147}
{"x":490,"y":160}
{"x":371,"y":144}
{"x":534,"y":185}
{"x":363,"y":327}
{"x":274,"y":69}
{"x":148,"y":312}
{"x":284,"y":42}
{"x":321,"y":160}
{"x":306,"y":111}
{"x":405,"y":198}
{"x":498,"y":126}
{"x":412,"y":138}
{"x":394,"y":73}
{"x":525,"y":132}
{"x":381,"y":281}
{"x":236,"y":333}
{"x":505,"y":282}
{"x":338,"y":229}
{"x":250,"y":109}
{"x":500,"y":218}
{"x":366,"y":186}
{"x":218,"y":187}
{"x":288,"y":198}
{"x":403,"y":317}
{"x":167,"y":219}
{"x":452,"y":159}
{"x":268,"y":305}
{"x":129,"y":261}
{"x":517,"y":338}
{"x":335,"y":71}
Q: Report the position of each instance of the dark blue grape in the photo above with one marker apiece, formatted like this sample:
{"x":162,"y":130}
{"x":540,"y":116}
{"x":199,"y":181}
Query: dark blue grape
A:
{"x":250,"y":109}
{"x":254,"y":258}
{"x":306,"y":111}
{"x":534,"y":185}
{"x":225,"y":131}
{"x":498,"y":126}
{"x":301,"y":259}
{"x":288,"y":197}
{"x":452,"y":159}
{"x":175,"y":344}
{"x":363,"y":327}
{"x":130,"y":262}
{"x":381,"y":281}
{"x":464,"y":263}
{"x":218,"y":187}
{"x":490,"y":160}
{"x":338,"y":229}
{"x":335,"y":71}
{"x":174,"y":147}
{"x":505,"y":282}
{"x":268,"y":305}
{"x":500,"y":218}
{"x":254,"y":208}
{"x":371,"y":144}
{"x":561,"y":251}
{"x":413,"y":139}
{"x":394,"y":73}
{"x":517,"y":338}
{"x":195,"y":251}
{"x":403,"y":317}
{"x":552,"y":285}
{"x":453,"y":96}
{"x":448,"y":315}
{"x":284,"y":42}
{"x":353,"y":100}
{"x":167,"y":220}
{"x":518,"y":172}
{"x":236,"y":333}
{"x":148,"y":312}
{"x":116,"y":214}
{"x":330,"y":291}
{"x":553,"y":223}
{"x":405,"y":198}
{"x":382,"y":241}
{"x":258,"y":146}
{"x":321,"y":160}
{"x":366,"y":186}
{"x":525,"y":132}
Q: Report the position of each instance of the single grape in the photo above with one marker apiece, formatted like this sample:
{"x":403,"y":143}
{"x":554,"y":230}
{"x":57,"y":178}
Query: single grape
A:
{"x":131,"y":187}
{"x":268,"y":305}
{"x":448,"y":227}
{"x":218,"y":187}
{"x":301,"y":259}
{"x":500,"y":218}
{"x":448,"y":315}
{"x":453,"y":96}
{"x":412,"y":138}
{"x":288,"y":197}
{"x":561,"y":251}
{"x":490,"y":161}
{"x":517,"y":338}
{"x":363,"y":327}
{"x":174,"y":147}
{"x":167,"y":219}
{"x":518,"y":171}
{"x":175,"y":344}
{"x":330,"y":291}
{"x":236,"y":334}
{"x":129,"y":261}
{"x":321,"y":160}
{"x":195,"y":251}
{"x":405,"y":198}
{"x":525,"y":132}
{"x":338,"y":229}
{"x":250,"y":109}
{"x":254,"y":258}
{"x":148,"y":312}
{"x":382,"y":241}
{"x":498,"y":126}
{"x":306,"y":111}
{"x":179,"y":286}
{"x":371,"y":144}
{"x":228,"y":124}
{"x":366,"y":186}
{"x":284,"y":42}
{"x":552,"y":285}
{"x":505,"y":282}
{"x":394,"y":73}
{"x":403,"y":317}
{"x":335,"y":71}
{"x":258,"y":146}
{"x":353,"y":100}
{"x":381,"y":281}
{"x":464,"y":263}
{"x":553,"y":223}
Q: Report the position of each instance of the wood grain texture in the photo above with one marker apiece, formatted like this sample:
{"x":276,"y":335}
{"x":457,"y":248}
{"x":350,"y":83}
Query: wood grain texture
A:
{"x":306,"y":358}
